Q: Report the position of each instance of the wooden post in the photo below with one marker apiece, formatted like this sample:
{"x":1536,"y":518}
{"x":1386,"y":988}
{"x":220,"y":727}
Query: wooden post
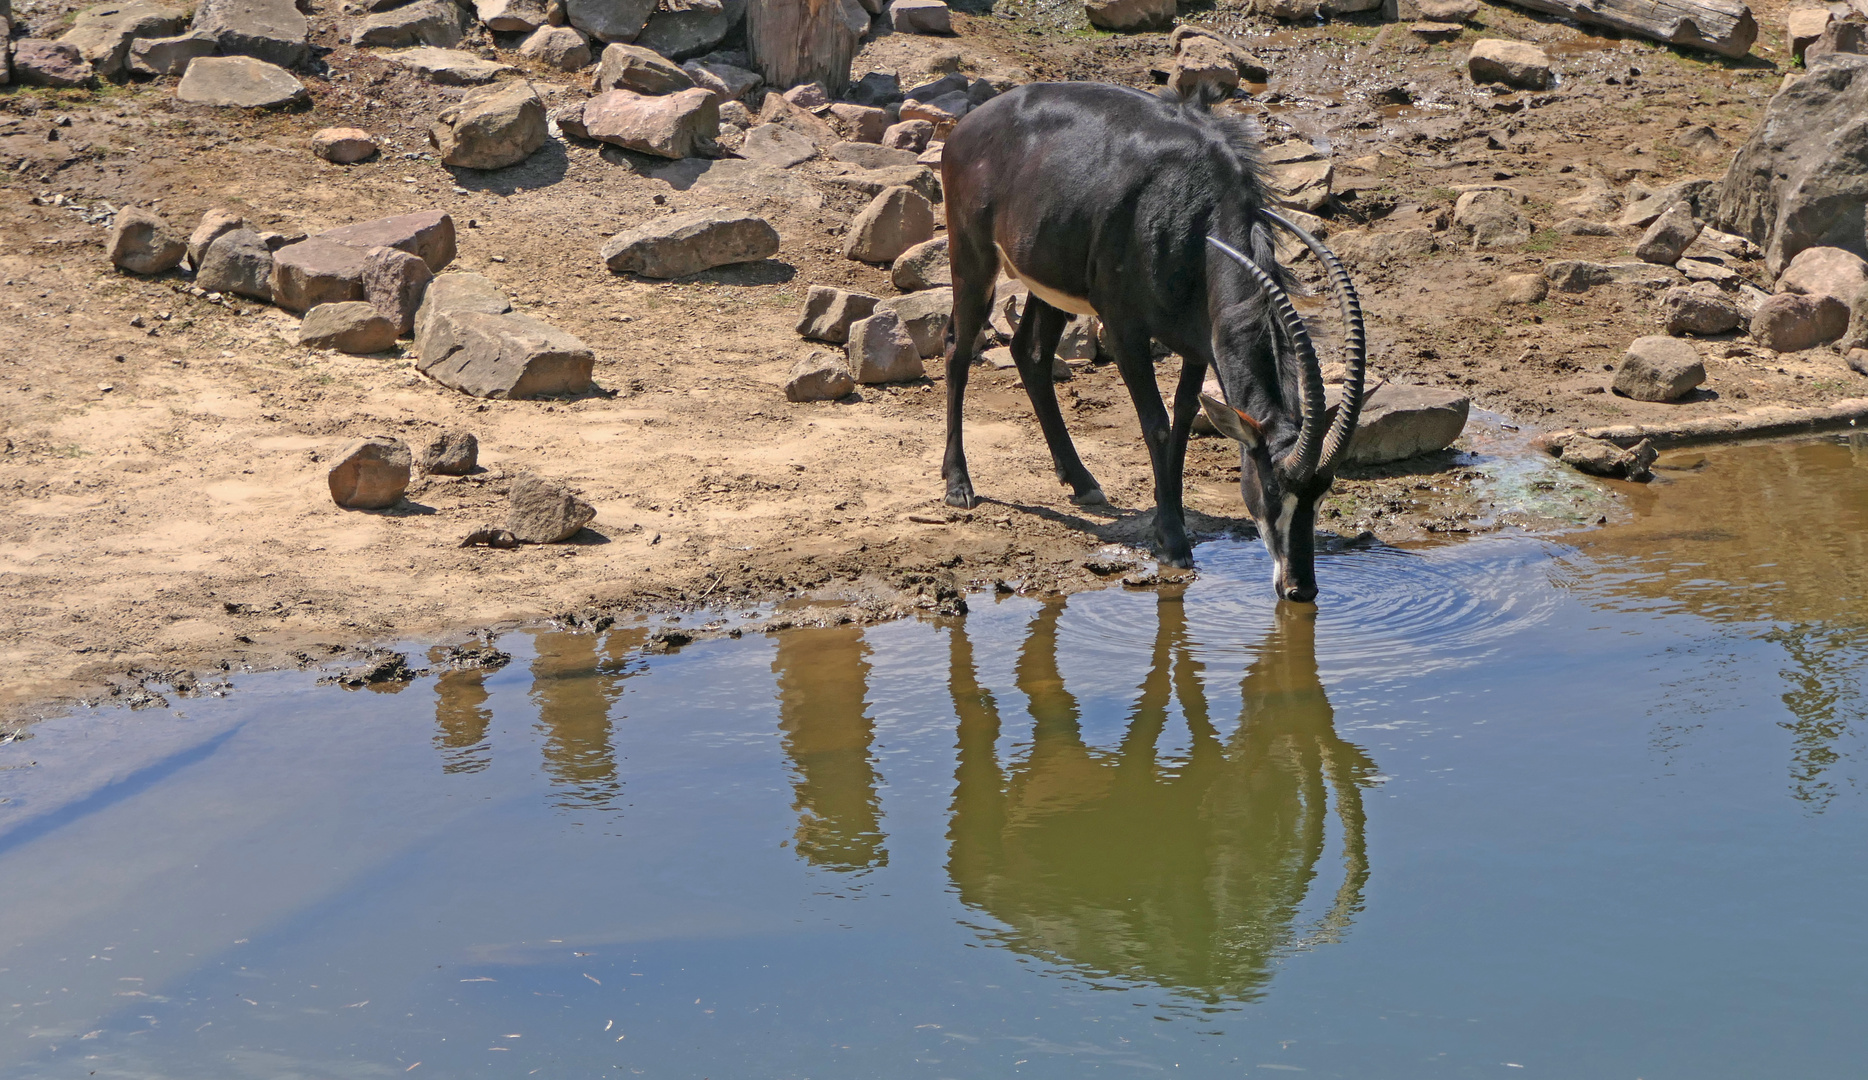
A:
{"x":1720,"y":26}
{"x":801,"y":41}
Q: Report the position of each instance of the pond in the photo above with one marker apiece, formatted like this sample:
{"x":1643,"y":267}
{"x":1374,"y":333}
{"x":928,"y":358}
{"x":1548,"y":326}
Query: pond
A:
{"x":1509,"y":807}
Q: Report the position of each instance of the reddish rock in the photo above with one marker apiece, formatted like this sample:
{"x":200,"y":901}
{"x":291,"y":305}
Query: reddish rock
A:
{"x":428,"y":235}
{"x":672,"y":126}
{"x":316,"y":271}
{"x":343,"y":146}
{"x":370,"y":474}
{"x":394,"y":283}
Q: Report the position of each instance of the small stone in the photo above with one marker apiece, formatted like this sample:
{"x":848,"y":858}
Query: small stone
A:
{"x":877,"y":89}
{"x":1599,"y":457}
{"x":370,"y":474}
{"x":943,"y":112}
{"x":1669,"y":236}
{"x":1130,"y":14}
{"x":634,"y":68}
{"x":349,"y":327}
{"x":895,"y":220}
{"x":58,"y":64}
{"x":925,"y":316}
{"x":1792,"y":322}
{"x":510,"y":16}
{"x":492,"y":127}
{"x":828,"y":313}
{"x":558,"y":47}
{"x":502,"y":356}
{"x":394,"y":283}
{"x":676,"y":125}
{"x":777,"y":147}
{"x":316,"y":271}
{"x":448,"y":67}
{"x":1574,"y":275}
{"x":343,"y":145}
{"x":1698,"y":309}
{"x":1518,"y":64}
{"x":237,"y":262}
{"x":1642,"y":212}
{"x":1858,"y":361}
{"x":544,"y":511}
{"x":239,"y":82}
{"x":1696,"y":270}
{"x":1659,"y":368}
{"x":910,"y":135}
{"x":452,"y":453}
{"x":811,"y":95}
{"x":691,"y":243}
{"x":141,"y":243}
{"x":920,"y":17}
{"x":863,"y":123}
{"x":1523,"y":288}
{"x":924,"y":266}
{"x":1845,"y":35}
{"x":820,"y":377}
{"x":881,"y":351}
{"x":214,"y":224}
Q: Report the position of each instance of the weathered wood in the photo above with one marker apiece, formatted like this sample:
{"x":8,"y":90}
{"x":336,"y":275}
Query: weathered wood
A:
{"x":801,"y":41}
{"x":1764,"y":422}
{"x":1721,"y":26}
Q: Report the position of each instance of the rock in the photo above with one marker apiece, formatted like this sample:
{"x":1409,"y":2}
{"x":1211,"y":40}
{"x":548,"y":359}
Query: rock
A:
{"x":1078,"y":341}
{"x":394,"y":283}
{"x":1523,"y":288}
{"x":881,"y":351}
{"x":37,"y":62}
{"x":544,"y":511}
{"x":1595,"y":200}
{"x":1571,"y":275}
{"x":452,"y":453}
{"x":269,"y":30}
{"x":1599,"y":457}
{"x":1792,"y":322}
{"x":1700,"y":140}
{"x":1825,"y":271}
{"x":1446,"y":11}
{"x":911,"y":135}
{"x":492,"y":127}
{"x":689,"y":243}
{"x":370,"y":474}
{"x":1304,"y":179}
{"x":923,"y":266}
{"x":681,"y":35}
{"x":737,"y":114}
{"x":515,"y":16}
{"x":1518,"y":64}
{"x":1845,"y":35}
{"x":820,"y":377}
{"x":169,"y":55}
{"x":1713,"y":242}
{"x":1580,"y":227}
{"x":811,"y":95}
{"x":1801,"y":180}
{"x":943,"y":112}
{"x":777,"y":147}
{"x":730,"y":83}
{"x":877,"y":89}
{"x":558,"y":47}
{"x":350,"y":327}
{"x":828,"y":313}
{"x":142,"y":243}
{"x":448,"y":67}
{"x":316,"y":271}
{"x":239,"y":82}
{"x":673,"y":126}
{"x":343,"y":145}
{"x":1008,"y":306}
{"x":864,"y":124}
{"x":1669,"y":236}
{"x":103,"y":33}
{"x":868,"y":155}
{"x":458,"y":294}
{"x":777,"y":110}
{"x":1492,"y":218}
{"x":1643,"y":211}
{"x":214,"y":223}
{"x":1804,"y":26}
{"x":1659,"y":368}
{"x":502,"y":356}
{"x":1858,"y":361}
{"x":1202,"y":65}
{"x":1706,"y":271}
{"x":236,"y":262}
{"x":1401,"y":421}
{"x":1130,"y":14}
{"x":610,"y":20}
{"x":1698,"y":310}
{"x":895,"y":220}
{"x":428,"y":235}
{"x":439,"y":23}
{"x":920,"y":17}
{"x":632,"y":67}
{"x":924,"y":315}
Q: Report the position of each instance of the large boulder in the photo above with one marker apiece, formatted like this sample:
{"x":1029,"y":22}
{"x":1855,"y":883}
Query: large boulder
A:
{"x":1792,"y":322}
{"x":1669,"y":236}
{"x":924,"y":315}
{"x":427,"y":234}
{"x":103,"y":33}
{"x":828,"y":313}
{"x":1130,"y":14}
{"x":1846,"y":35}
{"x":1699,"y":309}
{"x":492,"y":127}
{"x":459,"y":294}
{"x":58,"y":64}
{"x":142,"y":243}
{"x":350,"y":326}
{"x":610,"y":20}
{"x":632,"y":67}
{"x":370,"y":474}
{"x":542,"y":511}
{"x":316,"y":271}
{"x":1517,"y":64}
{"x":439,"y":23}
{"x":1659,"y":368}
{"x":864,"y":124}
{"x":237,"y":262}
{"x":1825,"y":271}
{"x":239,"y":82}
{"x":1401,"y":421}
{"x":881,"y":351}
{"x":895,"y":220}
{"x":1801,"y":180}
{"x":1803,"y":26}
{"x":502,"y":356}
{"x":690,"y":243}
{"x":680,"y":35}
{"x":675,"y":125}
{"x":269,"y":30}
{"x":924,"y":266}
{"x":729,"y":82}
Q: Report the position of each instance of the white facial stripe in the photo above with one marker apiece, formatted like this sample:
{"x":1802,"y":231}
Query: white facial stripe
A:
{"x":1076,"y":305}
{"x":1285,"y":513}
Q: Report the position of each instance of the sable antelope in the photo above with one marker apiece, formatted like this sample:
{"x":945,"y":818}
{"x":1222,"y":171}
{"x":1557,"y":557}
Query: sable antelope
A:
{"x":1141,"y":210}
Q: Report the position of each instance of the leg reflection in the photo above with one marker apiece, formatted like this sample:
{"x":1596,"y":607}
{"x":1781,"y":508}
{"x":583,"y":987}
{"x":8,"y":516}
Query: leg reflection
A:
{"x":461,"y":721}
{"x":822,"y":681}
{"x":574,"y":689}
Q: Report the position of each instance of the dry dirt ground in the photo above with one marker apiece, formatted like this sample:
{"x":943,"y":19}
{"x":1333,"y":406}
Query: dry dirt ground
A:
{"x":163,"y":506}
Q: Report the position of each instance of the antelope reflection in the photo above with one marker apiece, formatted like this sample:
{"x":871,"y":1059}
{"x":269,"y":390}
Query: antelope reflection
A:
{"x":1189,"y":874}
{"x":823,"y":676}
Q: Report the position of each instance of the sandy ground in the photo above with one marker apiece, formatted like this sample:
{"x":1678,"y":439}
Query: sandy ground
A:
{"x":163,"y":507}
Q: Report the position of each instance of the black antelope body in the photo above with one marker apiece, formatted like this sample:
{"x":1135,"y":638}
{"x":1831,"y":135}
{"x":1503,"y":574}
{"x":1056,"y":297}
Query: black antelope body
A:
{"x":1149,"y":213}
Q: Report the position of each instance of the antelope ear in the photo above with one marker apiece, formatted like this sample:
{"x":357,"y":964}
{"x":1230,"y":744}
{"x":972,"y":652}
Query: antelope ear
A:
{"x":1232,"y":423}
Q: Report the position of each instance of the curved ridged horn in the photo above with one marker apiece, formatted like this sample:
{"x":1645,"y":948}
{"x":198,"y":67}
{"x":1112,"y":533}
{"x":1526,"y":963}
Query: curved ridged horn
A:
{"x":1355,"y":343}
{"x":1302,"y":461}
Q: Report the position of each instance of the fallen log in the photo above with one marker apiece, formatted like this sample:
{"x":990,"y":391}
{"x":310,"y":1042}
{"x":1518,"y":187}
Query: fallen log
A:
{"x":1721,"y":26}
{"x":1764,"y":422}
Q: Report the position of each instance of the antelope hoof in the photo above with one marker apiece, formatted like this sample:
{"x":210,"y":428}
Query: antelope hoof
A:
{"x":1092,"y":497}
{"x":961,"y":495}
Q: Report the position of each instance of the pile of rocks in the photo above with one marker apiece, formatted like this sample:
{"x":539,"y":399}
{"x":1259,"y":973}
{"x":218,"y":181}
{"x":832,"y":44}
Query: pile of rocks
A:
{"x":253,"y":42}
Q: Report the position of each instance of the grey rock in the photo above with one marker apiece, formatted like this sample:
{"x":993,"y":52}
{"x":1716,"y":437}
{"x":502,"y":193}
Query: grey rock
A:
{"x":1573,"y":275}
{"x":542,"y":511}
{"x":394,"y":283}
{"x":492,"y":127}
{"x":923,"y":266}
{"x":142,"y":243}
{"x":819,"y":377}
{"x":1517,"y":64}
{"x":1491,"y":216}
{"x":728,"y":82}
{"x":920,"y":17}
{"x":239,"y":82}
{"x":1078,"y":341}
{"x":691,"y":243}
{"x":343,"y":145}
{"x":1659,"y":368}
{"x":515,"y":16}
{"x":1845,"y":35}
{"x":777,"y":147}
{"x":1642,"y":212}
{"x":1698,"y":310}
{"x":1583,"y":227}
{"x":350,"y":327}
{"x":370,"y":474}
{"x":881,"y":351}
{"x":558,"y":47}
{"x":1696,"y":270}
{"x":1792,"y":322}
{"x":452,"y":453}
{"x":610,"y":20}
{"x":448,"y":67}
{"x":681,"y":35}
{"x":502,"y":356}
{"x":864,"y":124}
{"x":269,"y":30}
{"x":459,"y":294}
{"x":1669,"y":236}
{"x":895,"y":220}
{"x":909,"y":135}
{"x":1400,"y":421}
{"x":214,"y":223}
{"x":1008,"y":307}
{"x":1599,"y":457}
{"x":37,"y":62}
{"x":877,"y":89}
{"x":103,"y":32}
{"x":1523,"y":288}
{"x":675,"y":125}
{"x":316,"y":271}
{"x":632,"y":67}
{"x":439,"y":23}
{"x":1825,"y":271}
{"x":828,"y":313}
{"x":1130,"y":14}
{"x":169,"y":55}
{"x":869,"y":155}
{"x":925,"y":316}
{"x":426,"y":234}
{"x":237,"y":262}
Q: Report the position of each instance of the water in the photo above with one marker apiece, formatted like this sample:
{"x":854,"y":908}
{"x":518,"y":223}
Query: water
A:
{"x":1508,"y":807}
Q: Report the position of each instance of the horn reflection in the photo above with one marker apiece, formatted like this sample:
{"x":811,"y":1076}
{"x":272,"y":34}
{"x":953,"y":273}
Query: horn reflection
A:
{"x":1191,"y":874}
